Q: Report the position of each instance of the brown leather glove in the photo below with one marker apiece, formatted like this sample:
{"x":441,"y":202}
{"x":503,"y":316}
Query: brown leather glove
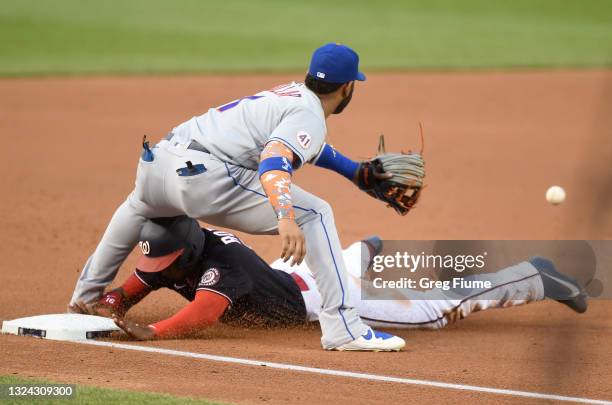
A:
{"x":395,"y":178}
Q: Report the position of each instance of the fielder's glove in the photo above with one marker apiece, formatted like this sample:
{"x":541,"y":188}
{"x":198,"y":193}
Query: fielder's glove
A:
{"x":395,"y":178}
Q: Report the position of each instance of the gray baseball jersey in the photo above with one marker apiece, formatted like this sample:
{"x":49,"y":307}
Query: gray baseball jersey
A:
{"x":238,"y":131}
{"x":218,"y":183}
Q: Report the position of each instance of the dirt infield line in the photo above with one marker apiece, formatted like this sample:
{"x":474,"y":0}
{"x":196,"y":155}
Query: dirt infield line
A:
{"x":348,"y":374}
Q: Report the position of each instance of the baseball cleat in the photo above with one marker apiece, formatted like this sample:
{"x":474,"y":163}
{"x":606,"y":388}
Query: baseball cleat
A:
{"x":373,"y":341}
{"x":560,"y":287}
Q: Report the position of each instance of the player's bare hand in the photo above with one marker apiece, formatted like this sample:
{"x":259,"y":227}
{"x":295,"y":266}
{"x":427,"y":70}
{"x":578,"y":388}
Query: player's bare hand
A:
{"x":294,"y":244}
{"x":134,"y":330}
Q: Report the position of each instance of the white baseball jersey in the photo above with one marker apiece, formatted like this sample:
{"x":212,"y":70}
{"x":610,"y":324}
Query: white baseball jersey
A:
{"x":238,"y":131}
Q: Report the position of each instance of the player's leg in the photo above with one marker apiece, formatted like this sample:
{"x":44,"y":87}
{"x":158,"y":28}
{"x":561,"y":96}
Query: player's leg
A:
{"x":401,"y":312}
{"x":121,"y":235}
{"x":517,"y":285}
{"x":339,"y":319}
{"x":308,"y":287}
{"x":378,"y":313}
{"x":118,"y":240}
{"x":513,"y":286}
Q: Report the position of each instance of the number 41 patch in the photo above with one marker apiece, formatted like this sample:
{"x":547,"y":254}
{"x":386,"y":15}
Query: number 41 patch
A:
{"x":304,"y":139}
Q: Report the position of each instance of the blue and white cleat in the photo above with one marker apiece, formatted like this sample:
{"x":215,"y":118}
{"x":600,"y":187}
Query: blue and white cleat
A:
{"x":373,"y":341}
{"x":560,"y":287}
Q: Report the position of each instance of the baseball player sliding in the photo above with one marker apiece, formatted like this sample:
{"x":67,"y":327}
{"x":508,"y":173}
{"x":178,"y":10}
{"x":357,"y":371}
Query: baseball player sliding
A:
{"x":232,"y":167}
{"x":227,"y":281}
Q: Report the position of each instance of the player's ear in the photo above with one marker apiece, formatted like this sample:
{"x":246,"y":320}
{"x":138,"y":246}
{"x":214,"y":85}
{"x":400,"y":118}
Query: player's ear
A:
{"x":346,"y":88}
{"x":342,"y":90}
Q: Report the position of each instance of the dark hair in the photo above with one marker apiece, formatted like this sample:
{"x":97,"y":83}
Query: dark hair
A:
{"x":319,"y":86}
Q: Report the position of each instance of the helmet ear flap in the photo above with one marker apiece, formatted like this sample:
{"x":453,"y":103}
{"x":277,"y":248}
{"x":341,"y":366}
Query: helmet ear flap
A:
{"x":188,"y":258}
{"x":184,"y":259}
{"x":194,"y":245}
{"x":192,"y":253}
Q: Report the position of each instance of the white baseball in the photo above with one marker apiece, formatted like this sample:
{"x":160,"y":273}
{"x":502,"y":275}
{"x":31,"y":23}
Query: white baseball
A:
{"x":555,"y":195}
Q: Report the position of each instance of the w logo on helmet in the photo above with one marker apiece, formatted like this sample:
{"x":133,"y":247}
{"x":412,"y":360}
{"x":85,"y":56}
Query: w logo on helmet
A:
{"x":145,"y":247}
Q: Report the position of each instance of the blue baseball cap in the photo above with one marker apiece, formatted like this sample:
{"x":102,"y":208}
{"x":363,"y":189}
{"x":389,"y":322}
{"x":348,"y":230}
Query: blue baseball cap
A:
{"x":335,"y":63}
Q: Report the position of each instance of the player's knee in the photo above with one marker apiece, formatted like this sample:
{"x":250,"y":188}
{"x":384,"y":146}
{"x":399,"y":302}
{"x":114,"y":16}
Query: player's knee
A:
{"x":320,"y":209}
{"x":324,"y":208}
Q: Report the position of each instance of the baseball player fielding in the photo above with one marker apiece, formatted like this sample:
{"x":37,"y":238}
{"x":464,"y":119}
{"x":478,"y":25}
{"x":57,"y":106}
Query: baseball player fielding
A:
{"x":232,"y":166}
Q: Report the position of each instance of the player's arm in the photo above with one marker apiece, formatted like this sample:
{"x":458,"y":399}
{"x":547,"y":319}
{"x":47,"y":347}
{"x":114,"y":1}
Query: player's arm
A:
{"x":330,"y":158}
{"x":204,"y":311}
{"x":119,"y":300}
{"x":275,"y":170}
{"x":356,"y":172}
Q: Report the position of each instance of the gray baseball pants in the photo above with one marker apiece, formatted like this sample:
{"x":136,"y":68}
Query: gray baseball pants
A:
{"x":229,"y":196}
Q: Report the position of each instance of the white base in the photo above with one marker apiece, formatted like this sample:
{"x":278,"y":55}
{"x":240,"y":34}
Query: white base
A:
{"x":61,"y":326}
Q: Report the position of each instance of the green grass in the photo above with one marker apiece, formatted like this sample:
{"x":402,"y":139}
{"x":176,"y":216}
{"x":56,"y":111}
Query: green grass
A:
{"x":40,"y":37}
{"x":95,"y":395}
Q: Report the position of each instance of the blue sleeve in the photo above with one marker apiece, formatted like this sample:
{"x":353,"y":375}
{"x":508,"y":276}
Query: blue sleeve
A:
{"x":331,"y":159}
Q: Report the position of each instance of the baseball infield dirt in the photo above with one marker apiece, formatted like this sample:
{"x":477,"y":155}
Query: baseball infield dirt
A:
{"x":494,"y":143}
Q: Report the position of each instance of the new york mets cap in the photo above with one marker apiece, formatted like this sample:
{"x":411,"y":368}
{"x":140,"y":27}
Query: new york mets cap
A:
{"x":335,"y":63}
